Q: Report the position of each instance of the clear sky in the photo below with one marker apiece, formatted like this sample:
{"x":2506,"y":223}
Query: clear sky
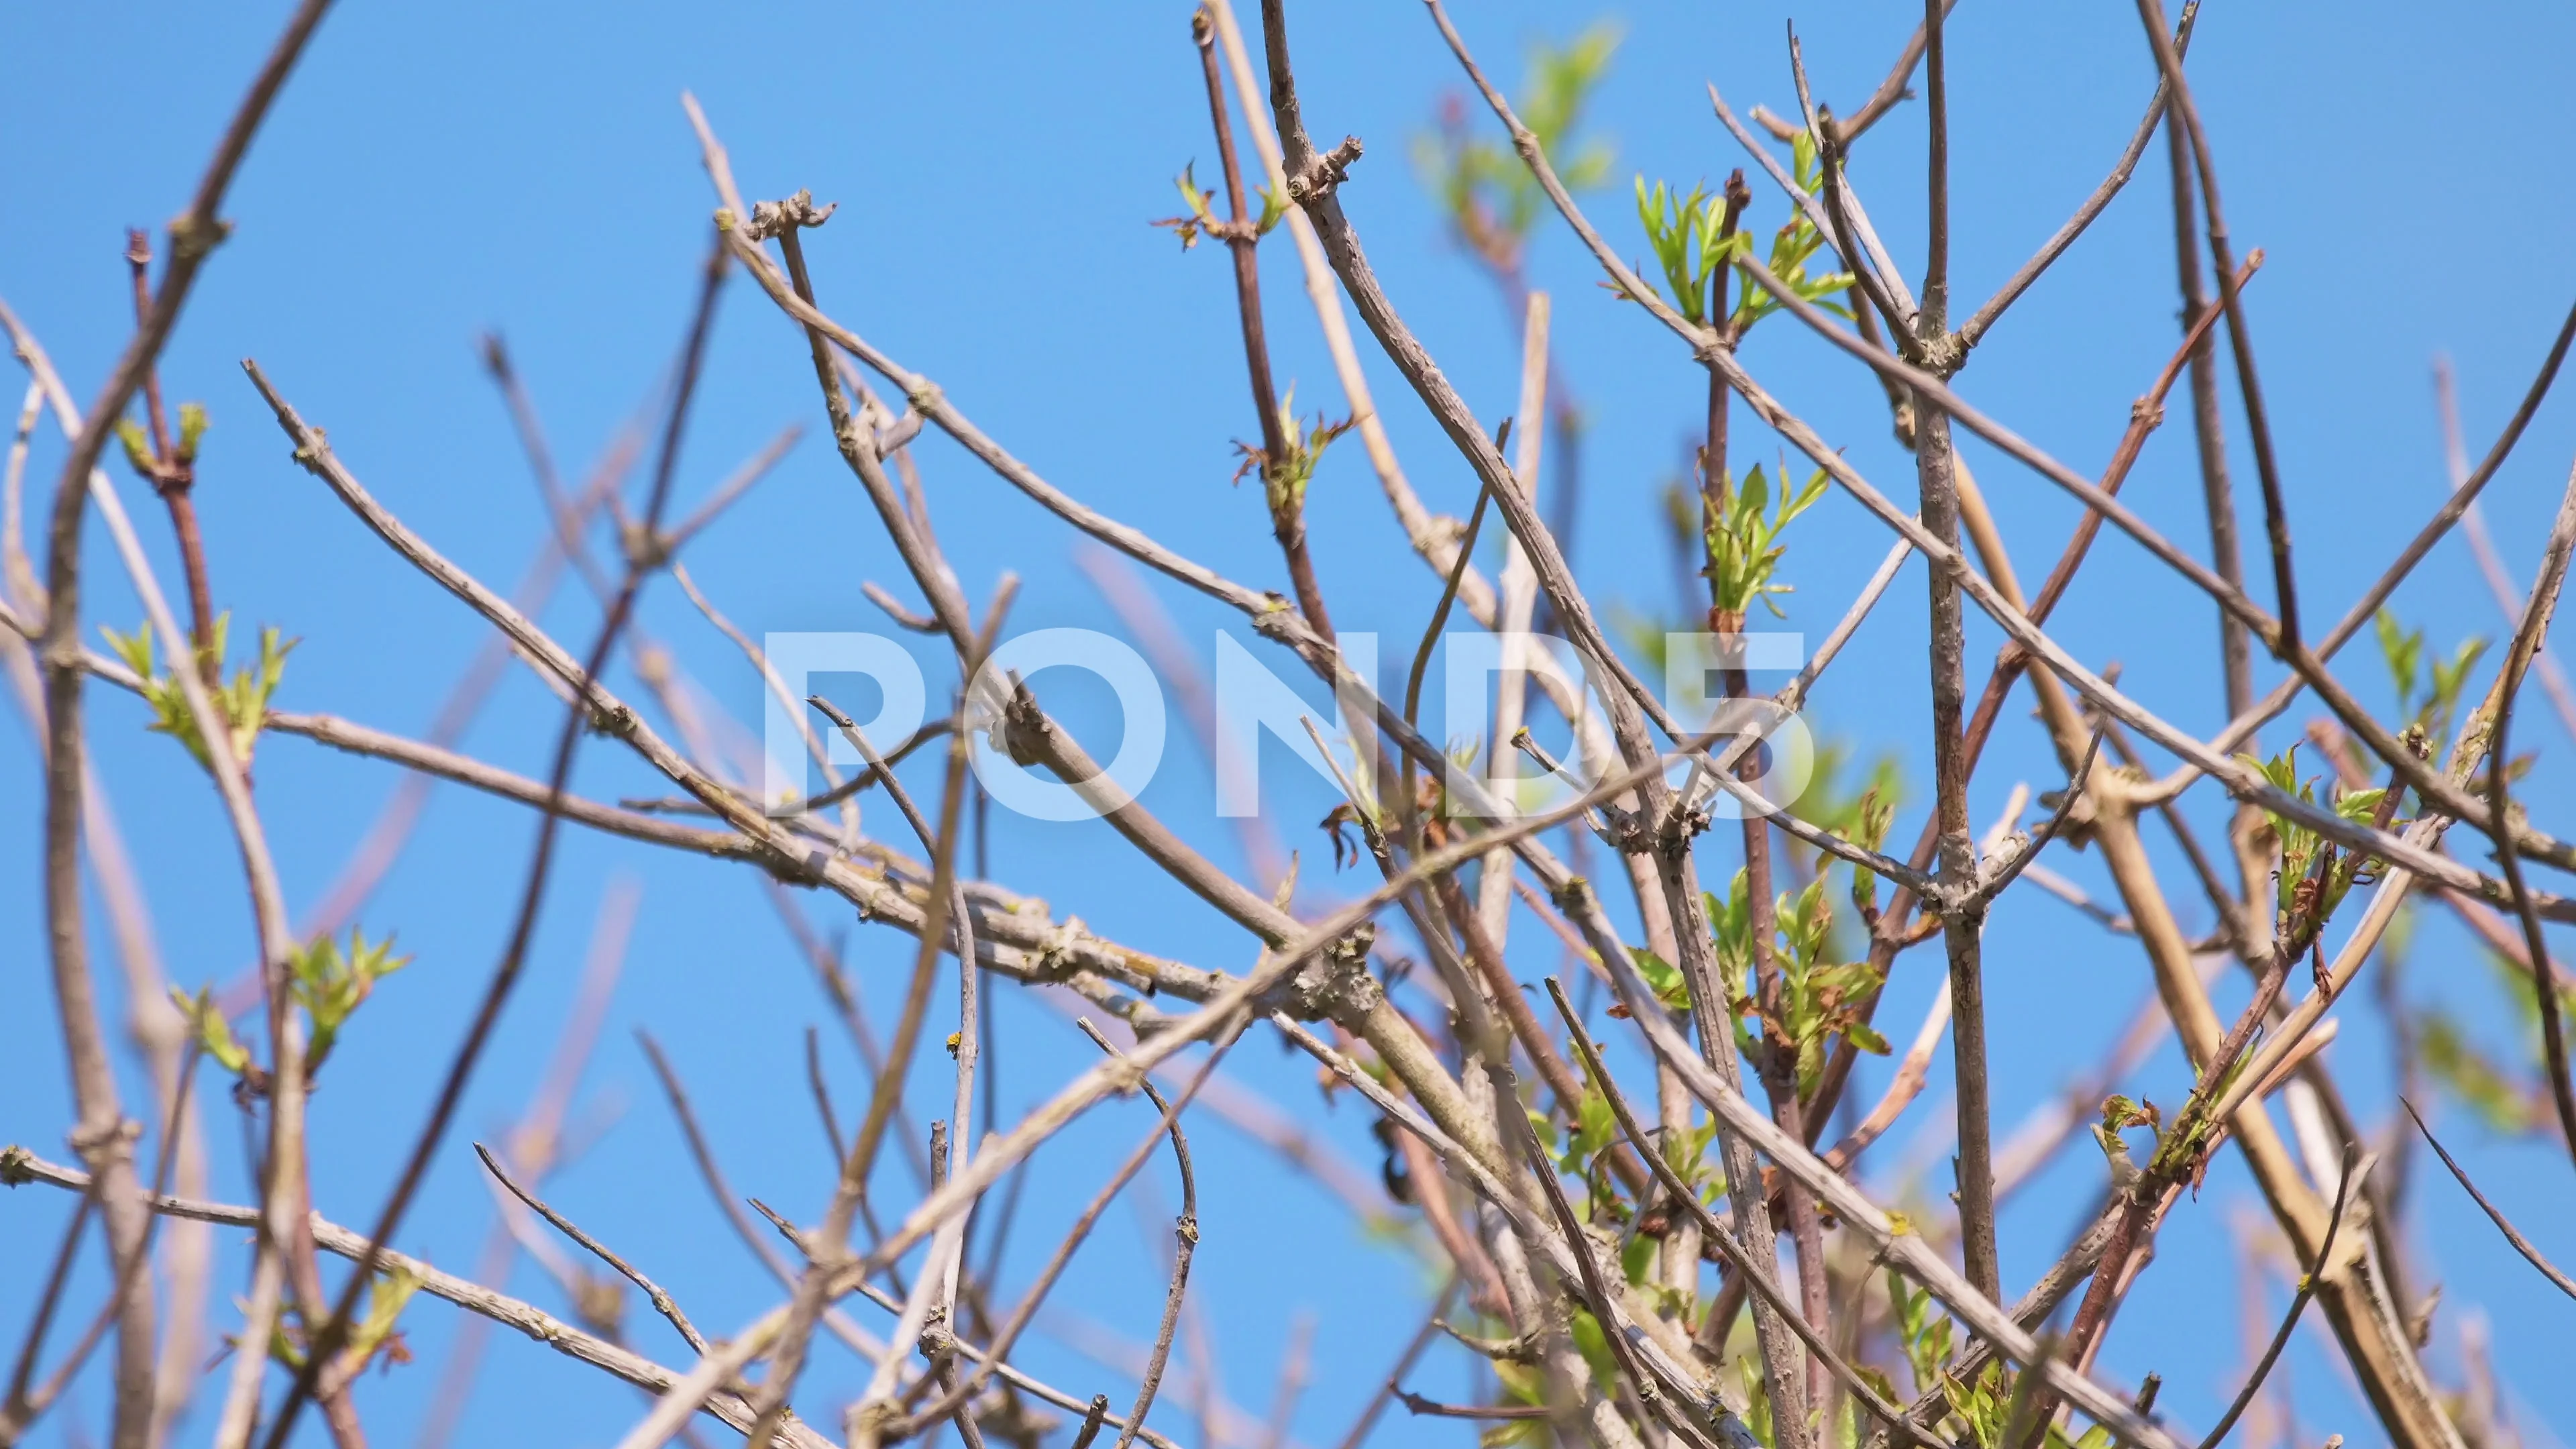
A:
{"x":434,"y":172}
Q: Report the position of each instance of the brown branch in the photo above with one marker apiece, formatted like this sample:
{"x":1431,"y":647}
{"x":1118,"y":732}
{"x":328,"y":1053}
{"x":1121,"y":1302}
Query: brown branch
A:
{"x":1185,"y":1230}
{"x":328,"y":1339}
{"x":661,"y":1300}
{"x":2208,"y":425}
{"x":993,"y":1358}
{"x":23,"y":1404}
{"x":102,"y":1135}
{"x":1973,"y":331}
{"x":712,"y":1174}
{"x":2240,"y":780}
{"x":2145,"y":415}
{"x":1715,"y":1233}
{"x":2367,"y":606}
{"x":1963,"y":916}
{"x":2527,"y":637}
{"x":1892,"y":89}
{"x":2473,"y":528}
{"x":2201,"y":757}
{"x":1312,"y":180}
{"x":536,"y":1147}
{"x":946,"y":908}
{"x":1421,"y":1407}
{"x":1242,"y":237}
{"x":564,"y":1338}
{"x":2276,"y":518}
{"x":174,"y":478}
{"x":1902,"y":1088}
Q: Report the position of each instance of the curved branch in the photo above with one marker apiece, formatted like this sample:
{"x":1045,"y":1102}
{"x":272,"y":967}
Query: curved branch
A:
{"x":18,"y":1165}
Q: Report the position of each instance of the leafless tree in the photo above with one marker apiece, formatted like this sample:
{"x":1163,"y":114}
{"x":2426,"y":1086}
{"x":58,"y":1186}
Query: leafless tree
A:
{"x":1606,"y":1191}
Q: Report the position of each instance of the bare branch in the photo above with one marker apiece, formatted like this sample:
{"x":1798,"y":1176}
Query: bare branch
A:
{"x":543,"y":1327}
{"x":2520,"y":1243}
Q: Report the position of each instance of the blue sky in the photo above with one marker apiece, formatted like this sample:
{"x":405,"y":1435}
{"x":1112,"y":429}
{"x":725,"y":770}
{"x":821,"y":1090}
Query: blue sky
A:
{"x":434,"y":172}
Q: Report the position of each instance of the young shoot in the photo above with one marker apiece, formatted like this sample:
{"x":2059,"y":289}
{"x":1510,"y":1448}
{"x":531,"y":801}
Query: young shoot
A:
{"x":2315,"y":874}
{"x":2433,"y":711}
{"x":1744,"y":542}
{"x":331,"y":985}
{"x":1821,"y":1000}
{"x":243,"y":698}
{"x":1489,"y":198}
{"x":1201,"y":218}
{"x":1284,"y":479}
{"x":1696,"y":237}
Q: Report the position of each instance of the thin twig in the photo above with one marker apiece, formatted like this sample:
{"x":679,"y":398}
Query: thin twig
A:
{"x":1185,"y":1240}
{"x":328,"y":1339}
{"x":2473,"y":527}
{"x":2208,"y":425}
{"x":536,"y":1148}
{"x":1973,"y":331}
{"x":23,"y":1405}
{"x":1242,"y":235}
{"x":947,"y":907}
{"x":2240,"y":779}
{"x":2276,"y":518}
{"x":2494,"y":1214}
{"x":1421,"y":1407}
{"x":193,"y":236}
{"x":735,"y":485}
{"x":661,"y":1300}
{"x":993,"y":1359}
{"x":1716,"y":1234}
{"x":2048,"y":831}
{"x":2298,"y":1305}
{"x":562,"y":1337}
{"x":2527,"y":637}
{"x":709,"y":1172}
{"x":823,"y":1096}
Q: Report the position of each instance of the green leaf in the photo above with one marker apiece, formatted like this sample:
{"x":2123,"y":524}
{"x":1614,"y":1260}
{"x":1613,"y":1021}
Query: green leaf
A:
{"x":1284,"y":478}
{"x":1198,"y":218}
{"x":214,"y":1034}
{"x":192,"y":430}
{"x":2404,"y":653}
{"x":331,"y":986}
{"x":1924,"y":1335}
{"x":1491,"y":200}
{"x":1595,"y":1348}
{"x":1274,"y":207}
{"x":1637,"y":1258}
{"x":1743,"y":540}
{"x":2503,"y":1098}
{"x":386,"y":1297}
{"x":2119,"y":1113}
{"x":2449,"y":676}
{"x":1594,"y":1127}
{"x":1522,"y":1381}
{"x":138,"y":449}
{"x":243,"y":701}
{"x":1811,"y":1066}
{"x":1662,"y":977}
